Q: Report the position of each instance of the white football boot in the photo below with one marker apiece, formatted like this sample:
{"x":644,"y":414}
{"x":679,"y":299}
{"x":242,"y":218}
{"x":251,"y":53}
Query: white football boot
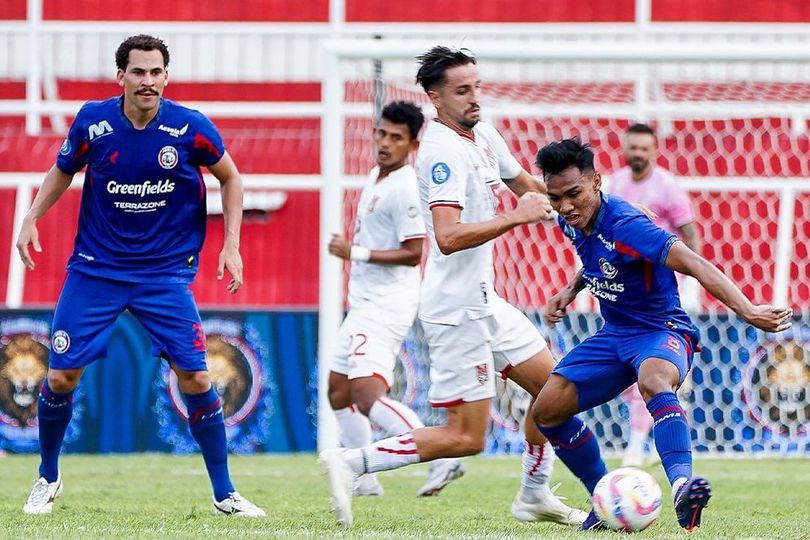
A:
{"x":442,"y":472}
{"x":542,"y":505}
{"x":341,"y":482}
{"x":40,"y":501}
{"x":236,"y":505}
{"x":368,"y":486}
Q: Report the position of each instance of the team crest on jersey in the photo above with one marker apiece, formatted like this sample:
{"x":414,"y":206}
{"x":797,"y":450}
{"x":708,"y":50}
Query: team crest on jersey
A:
{"x":482,"y":372}
{"x":65,"y":148}
{"x":60,"y":341}
{"x":168,"y":157}
{"x":440,"y":173}
{"x":608,"y":270}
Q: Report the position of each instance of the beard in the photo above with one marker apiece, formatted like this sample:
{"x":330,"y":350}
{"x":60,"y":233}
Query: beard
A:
{"x":638,"y":165}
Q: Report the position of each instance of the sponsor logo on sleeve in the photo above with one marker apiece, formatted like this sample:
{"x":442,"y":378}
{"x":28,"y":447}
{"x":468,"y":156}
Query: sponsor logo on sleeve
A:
{"x":413,"y":211}
{"x":440,"y":173}
{"x":65,"y":149}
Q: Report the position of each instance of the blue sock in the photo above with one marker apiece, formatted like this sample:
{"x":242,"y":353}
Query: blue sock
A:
{"x":671,"y":433}
{"x":576,"y":446}
{"x":53,"y":413}
{"x":207,"y":425}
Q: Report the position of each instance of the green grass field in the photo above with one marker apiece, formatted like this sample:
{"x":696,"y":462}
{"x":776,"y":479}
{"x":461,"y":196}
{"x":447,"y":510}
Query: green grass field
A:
{"x":159,"y":496}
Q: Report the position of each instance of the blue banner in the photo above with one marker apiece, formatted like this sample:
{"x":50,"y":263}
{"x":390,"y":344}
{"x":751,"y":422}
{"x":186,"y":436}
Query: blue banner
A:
{"x":262,"y":364}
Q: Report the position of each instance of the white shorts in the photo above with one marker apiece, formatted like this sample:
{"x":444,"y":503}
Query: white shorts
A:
{"x":465,"y":357}
{"x":370,"y":339}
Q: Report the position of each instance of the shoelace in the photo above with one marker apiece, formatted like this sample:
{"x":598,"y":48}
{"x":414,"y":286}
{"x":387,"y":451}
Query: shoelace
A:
{"x":39,"y":494}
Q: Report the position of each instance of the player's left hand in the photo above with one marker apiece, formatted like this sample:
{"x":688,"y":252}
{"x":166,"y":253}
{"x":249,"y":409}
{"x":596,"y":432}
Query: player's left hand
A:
{"x":231,"y":260}
{"x":769,"y":318}
{"x":340,"y":247}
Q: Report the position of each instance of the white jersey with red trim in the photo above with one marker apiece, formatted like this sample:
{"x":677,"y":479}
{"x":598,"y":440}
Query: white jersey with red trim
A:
{"x":463,"y":172}
{"x":387,"y":215}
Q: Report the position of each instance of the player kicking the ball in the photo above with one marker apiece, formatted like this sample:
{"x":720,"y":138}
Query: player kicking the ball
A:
{"x":628,"y":263}
{"x":471,"y":331}
{"x":383,"y":296}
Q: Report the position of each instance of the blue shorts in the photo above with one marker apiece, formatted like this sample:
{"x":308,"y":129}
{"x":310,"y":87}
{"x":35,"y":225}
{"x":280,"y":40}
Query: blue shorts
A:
{"x":607,"y":363}
{"x":88,"y":307}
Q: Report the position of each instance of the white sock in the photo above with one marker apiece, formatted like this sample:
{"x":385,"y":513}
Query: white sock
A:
{"x":393,"y":417}
{"x":355,"y":429}
{"x":538,"y":461}
{"x":384,"y":455}
{"x":677,"y":484}
{"x":635,"y":443}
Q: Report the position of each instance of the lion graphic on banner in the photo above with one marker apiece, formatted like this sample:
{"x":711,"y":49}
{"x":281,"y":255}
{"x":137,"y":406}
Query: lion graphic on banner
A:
{"x":23,"y":367}
{"x":229,"y":373}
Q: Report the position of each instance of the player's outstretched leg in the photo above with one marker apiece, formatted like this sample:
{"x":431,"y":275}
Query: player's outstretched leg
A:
{"x":207,"y":425}
{"x":54,"y":411}
{"x":690,"y":494}
{"x":396,"y":418}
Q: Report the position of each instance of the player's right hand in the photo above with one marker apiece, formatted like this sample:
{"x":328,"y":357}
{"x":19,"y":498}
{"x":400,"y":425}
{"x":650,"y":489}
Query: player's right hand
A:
{"x":769,"y":318}
{"x":532,"y":207}
{"x":555,"y":308}
{"x":28,"y":235}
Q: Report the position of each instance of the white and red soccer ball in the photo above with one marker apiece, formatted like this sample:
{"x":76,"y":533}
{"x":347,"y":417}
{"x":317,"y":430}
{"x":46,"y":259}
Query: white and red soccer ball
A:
{"x":627,"y":499}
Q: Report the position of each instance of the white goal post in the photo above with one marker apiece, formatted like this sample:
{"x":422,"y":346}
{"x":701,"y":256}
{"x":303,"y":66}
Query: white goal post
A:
{"x":724,"y":96}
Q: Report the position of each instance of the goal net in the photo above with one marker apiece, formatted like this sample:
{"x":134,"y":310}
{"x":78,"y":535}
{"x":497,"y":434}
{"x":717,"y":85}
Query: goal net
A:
{"x":732,"y":126}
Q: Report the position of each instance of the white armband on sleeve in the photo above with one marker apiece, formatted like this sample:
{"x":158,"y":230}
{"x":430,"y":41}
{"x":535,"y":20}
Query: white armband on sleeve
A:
{"x":360,"y":253}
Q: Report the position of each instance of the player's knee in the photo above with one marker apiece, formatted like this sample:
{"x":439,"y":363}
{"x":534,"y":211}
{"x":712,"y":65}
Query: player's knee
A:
{"x":547,"y":413}
{"x":193,"y":382}
{"x":655,"y":384}
{"x":364,"y":402}
{"x":63,"y":382}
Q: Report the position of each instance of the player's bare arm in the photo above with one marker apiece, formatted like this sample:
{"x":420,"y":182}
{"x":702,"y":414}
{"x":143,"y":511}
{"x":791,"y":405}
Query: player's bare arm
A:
{"x":408,"y":254}
{"x":231,"y":187}
{"x":452,"y":235}
{"x":54,"y":185}
{"x":689,"y":235}
{"x":557,"y":304}
{"x":524,"y":183}
{"x":763,"y":316}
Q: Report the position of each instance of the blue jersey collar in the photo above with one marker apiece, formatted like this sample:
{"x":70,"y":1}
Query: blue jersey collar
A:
{"x":152,"y":122}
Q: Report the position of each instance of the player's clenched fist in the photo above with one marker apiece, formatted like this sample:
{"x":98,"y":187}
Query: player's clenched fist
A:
{"x":532,"y":208}
{"x":556,"y":306}
{"x":340,"y":247}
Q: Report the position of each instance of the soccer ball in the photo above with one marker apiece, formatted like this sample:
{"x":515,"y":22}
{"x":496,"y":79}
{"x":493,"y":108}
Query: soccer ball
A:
{"x":627,"y":499}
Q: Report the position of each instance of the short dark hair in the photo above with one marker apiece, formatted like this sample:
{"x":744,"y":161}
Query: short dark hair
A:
{"x":141,"y":42}
{"x":555,"y":157}
{"x":434,"y":64}
{"x":405,"y":112}
{"x":641,"y":128}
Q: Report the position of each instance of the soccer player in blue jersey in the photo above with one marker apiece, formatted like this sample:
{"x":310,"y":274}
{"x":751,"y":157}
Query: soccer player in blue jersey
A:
{"x":141,"y":228}
{"x":628,"y":263}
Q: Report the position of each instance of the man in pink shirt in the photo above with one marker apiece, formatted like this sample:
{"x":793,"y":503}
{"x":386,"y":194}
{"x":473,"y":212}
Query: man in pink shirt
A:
{"x":644,"y":182}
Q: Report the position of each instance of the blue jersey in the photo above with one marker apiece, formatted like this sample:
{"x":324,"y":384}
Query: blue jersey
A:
{"x":143,"y":214}
{"x":623,"y":267}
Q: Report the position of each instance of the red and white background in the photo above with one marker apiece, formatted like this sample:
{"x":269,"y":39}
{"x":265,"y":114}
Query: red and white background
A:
{"x":735,"y":132}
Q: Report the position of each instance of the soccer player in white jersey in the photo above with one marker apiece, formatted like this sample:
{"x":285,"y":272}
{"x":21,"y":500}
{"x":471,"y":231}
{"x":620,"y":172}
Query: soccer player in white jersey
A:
{"x":472,"y":333}
{"x":383,"y":293}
